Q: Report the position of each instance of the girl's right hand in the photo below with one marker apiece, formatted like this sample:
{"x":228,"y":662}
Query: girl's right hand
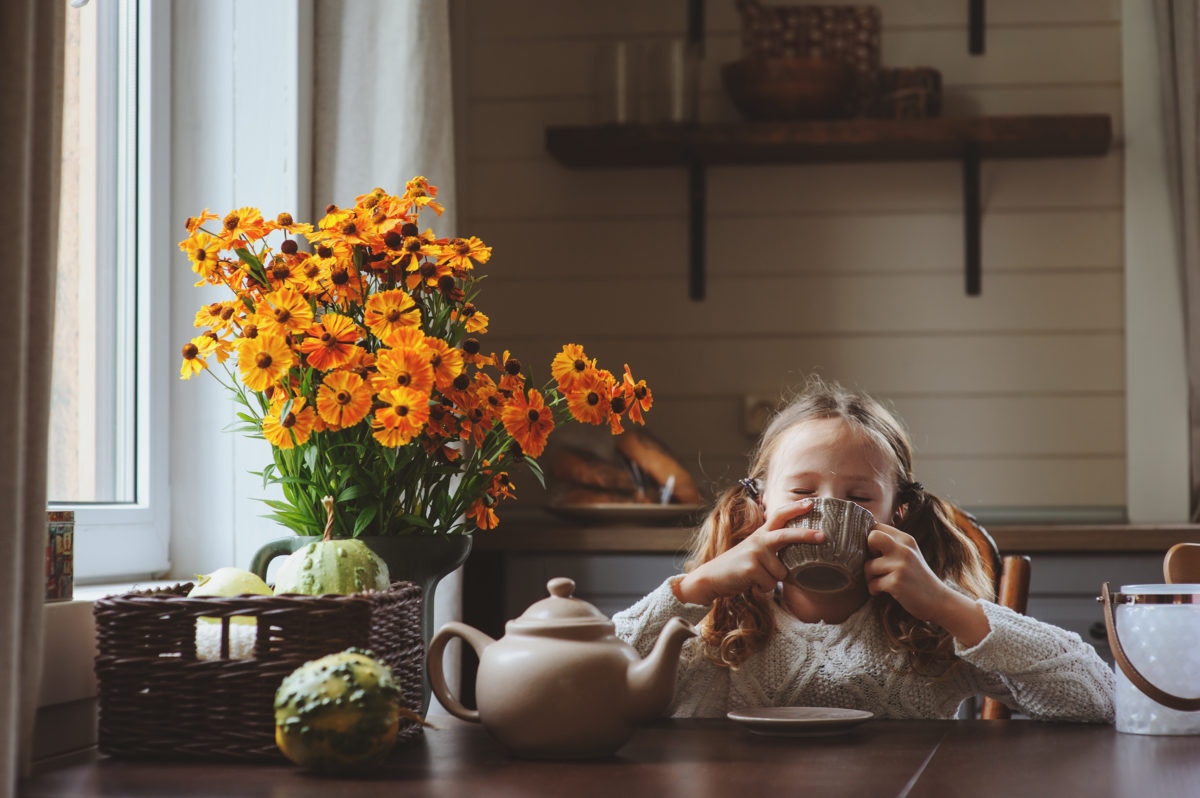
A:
{"x":753,"y":564}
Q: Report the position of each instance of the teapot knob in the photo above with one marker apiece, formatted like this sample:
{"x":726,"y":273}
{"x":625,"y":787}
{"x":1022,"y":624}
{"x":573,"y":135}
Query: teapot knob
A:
{"x":561,"y":587}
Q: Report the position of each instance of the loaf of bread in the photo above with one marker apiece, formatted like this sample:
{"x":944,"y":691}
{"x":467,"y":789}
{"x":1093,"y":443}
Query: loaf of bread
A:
{"x":655,"y":461}
{"x":582,"y":469}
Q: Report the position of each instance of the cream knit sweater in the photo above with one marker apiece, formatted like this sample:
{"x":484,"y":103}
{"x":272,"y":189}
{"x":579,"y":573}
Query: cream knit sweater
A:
{"x":1038,"y":669}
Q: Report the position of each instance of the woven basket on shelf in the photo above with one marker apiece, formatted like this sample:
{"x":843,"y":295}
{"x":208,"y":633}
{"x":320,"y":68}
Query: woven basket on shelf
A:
{"x":158,"y":700}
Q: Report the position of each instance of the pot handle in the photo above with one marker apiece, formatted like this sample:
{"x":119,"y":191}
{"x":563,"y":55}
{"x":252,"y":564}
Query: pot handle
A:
{"x":280,"y":547}
{"x":437,"y":674}
{"x":1141,"y":682}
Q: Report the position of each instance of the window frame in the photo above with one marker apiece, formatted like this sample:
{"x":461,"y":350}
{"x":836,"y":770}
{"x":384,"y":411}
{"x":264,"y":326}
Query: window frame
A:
{"x":131,"y":540}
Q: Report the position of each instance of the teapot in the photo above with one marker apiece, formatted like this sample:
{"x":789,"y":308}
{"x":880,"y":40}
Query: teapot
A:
{"x":560,"y":683}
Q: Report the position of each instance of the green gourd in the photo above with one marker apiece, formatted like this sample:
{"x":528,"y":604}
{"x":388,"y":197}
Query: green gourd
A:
{"x":341,"y":566}
{"x":339,"y":713}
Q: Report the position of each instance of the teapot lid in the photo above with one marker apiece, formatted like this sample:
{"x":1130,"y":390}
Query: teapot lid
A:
{"x":561,"y":611}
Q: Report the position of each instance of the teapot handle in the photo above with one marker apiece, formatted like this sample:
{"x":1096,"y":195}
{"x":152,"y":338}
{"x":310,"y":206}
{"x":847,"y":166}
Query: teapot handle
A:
{"x":437,"y":674}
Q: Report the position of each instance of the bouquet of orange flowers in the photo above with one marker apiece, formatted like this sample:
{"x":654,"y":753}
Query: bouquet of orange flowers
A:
{"x":355,"y":349}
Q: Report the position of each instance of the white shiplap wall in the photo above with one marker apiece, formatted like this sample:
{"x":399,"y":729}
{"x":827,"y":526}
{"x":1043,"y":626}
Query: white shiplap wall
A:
{"x":1015,"y":398}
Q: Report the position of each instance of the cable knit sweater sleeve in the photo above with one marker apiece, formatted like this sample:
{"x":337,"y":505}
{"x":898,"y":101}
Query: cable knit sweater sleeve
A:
{"x":1039,"y":669}
{"x":640,"y":624}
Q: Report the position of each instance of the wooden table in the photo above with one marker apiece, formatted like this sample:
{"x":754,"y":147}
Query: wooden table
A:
{"x":696,"y":758}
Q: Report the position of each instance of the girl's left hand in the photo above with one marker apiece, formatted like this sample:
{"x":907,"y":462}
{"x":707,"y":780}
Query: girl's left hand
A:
{"x":899,"y":569}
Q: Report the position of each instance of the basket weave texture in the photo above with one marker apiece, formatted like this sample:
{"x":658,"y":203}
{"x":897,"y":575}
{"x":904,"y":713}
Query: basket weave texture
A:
{"x":157,"y":700}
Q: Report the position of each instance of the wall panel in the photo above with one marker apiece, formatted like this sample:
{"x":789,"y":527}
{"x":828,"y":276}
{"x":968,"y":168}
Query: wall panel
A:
{"x":1015,"y":398}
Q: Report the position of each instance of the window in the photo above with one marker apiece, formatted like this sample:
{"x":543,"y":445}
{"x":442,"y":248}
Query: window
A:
{"x":107,"y":453}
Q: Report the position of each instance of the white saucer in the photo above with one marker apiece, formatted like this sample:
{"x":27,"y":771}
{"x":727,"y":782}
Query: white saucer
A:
{"x":799,"y":721}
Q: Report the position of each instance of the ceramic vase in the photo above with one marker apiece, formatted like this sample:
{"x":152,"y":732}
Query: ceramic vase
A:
{"x":421,"y":559}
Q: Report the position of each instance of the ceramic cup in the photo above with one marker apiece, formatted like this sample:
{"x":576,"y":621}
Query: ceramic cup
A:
{"x":836,"y":562}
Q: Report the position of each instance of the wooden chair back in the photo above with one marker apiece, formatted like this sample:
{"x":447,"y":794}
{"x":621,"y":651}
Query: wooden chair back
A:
{"x":1010,"y":575}
{"x":1182,"y":564}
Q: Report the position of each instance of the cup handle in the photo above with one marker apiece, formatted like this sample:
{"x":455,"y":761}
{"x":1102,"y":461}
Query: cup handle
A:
{"x":281,"y":547}
{"x":437,"y":674}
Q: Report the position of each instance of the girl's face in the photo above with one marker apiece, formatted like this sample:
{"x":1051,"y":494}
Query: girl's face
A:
{"x":827,"y":457}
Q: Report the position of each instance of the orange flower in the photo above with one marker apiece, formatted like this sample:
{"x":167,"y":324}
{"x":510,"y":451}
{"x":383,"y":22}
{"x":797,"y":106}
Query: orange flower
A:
{"x":483,"y":515}
{"x":204,"y":251}
{"x":263,"y":361}
{"x":331,"y":343}
{"x":245,"y":224}
{"x":474,"y":320}
{"x":570,"y":366}
{"x":390,"y":311}
{"x":418,"y":194}
{"x":589,"y":401}
{"x":343,"y":400}
{"x":460,"y":252}
{"x":404,"y":413}
{"x":194,"y":353}
{"x":288,"y":429}
{"x":407,"y":365}
{"x":637,"y":395}
{"x":284,"y":311}
{"x":447,"y":362}
{"x":512,"y":379}
{"x":527,"y":419}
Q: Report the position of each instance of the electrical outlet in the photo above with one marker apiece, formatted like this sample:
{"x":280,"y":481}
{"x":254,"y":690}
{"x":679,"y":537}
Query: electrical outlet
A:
{"x":756,"y":413}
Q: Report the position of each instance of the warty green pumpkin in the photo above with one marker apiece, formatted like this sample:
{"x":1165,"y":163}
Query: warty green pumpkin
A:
{"x":342,"y":566}
{"x":339,"y":713}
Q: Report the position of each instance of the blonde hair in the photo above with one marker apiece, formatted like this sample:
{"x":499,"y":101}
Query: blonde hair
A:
{"x":737,"y":626}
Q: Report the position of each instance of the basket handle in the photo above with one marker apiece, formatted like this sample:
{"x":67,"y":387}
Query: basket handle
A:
{"x":437,"y":673}
{"x":1141,"y":682}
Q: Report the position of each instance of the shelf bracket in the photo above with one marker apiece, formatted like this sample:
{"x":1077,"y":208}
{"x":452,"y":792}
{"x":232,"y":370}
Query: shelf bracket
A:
{"x":972,"y":211}
{"x":697,"y":210}
{"x":975,"y":26}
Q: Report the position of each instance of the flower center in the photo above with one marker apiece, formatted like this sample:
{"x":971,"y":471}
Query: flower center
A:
{"x":342,"y":398}
{"x":262,"y":360}
{"x":533,"y":416}
{"x":288,"y":421}
{"x":593,"y":399}
{"x":580,"y":365}
{"x":190,"y":351}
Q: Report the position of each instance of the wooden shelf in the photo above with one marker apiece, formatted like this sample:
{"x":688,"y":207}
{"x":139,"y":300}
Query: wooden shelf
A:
{"x":612,"y":146}
{"x":697,"y":147}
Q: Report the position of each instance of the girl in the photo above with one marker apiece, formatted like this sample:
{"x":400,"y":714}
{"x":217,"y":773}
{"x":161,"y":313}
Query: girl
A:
{"x":913,"y":638}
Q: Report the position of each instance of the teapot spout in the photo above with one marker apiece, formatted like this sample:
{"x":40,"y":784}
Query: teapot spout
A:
{"x":652,"y":681}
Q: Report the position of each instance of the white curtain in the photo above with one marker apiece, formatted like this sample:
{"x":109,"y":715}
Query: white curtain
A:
{"x":382,"y":109}
{"x":31,"y":50}
{"x":1179,"y":62}
{"x":382,"y":114}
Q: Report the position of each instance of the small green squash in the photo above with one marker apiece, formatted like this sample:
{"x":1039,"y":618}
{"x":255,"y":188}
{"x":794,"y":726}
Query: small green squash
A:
{"x":339,"y":713}
{"x":324,"y":566}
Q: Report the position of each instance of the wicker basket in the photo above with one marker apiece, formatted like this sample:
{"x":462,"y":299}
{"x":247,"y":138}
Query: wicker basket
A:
{"x":158,"y":700}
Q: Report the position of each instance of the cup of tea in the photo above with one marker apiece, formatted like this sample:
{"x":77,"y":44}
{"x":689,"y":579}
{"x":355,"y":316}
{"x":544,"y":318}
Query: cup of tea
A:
{"x":836,"y":562}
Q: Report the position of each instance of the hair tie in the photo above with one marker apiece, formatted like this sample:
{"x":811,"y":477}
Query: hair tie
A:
{"x":750,"y":485}
{"x":911,"y":488}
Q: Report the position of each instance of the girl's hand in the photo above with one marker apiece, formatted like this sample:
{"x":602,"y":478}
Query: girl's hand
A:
{"x":898,"y":568}
{"x":753,"y":564}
